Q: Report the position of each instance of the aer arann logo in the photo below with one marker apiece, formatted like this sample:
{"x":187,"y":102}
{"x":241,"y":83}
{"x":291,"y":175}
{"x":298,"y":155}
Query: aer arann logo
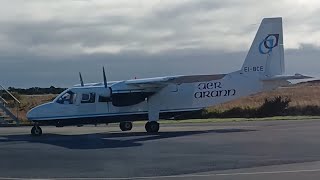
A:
{"x":269,"y":43}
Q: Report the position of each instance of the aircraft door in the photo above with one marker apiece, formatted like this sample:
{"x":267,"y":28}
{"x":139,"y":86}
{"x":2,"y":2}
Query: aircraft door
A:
{"x":103,"y":104}
{"x":87,"y":103}
{"x":77,"y":100}
{"x":67,"y":102}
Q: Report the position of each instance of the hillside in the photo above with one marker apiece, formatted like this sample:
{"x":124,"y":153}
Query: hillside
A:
{"x":303,"y":94}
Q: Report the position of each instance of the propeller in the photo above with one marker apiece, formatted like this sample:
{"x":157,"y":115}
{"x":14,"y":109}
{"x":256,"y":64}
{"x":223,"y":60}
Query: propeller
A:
{"x":109,"y":89}
{"x":104,"y":78}
{"x":81,"y":80}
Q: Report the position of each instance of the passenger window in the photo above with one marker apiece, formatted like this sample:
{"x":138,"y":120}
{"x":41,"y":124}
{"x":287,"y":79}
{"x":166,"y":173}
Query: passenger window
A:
{"x":88,"y":98}
{"x":104,"y":99}
{"x":67,"y":98}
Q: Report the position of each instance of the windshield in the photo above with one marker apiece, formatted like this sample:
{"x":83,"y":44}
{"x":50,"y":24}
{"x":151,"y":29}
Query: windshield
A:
{"x":67,"y":98}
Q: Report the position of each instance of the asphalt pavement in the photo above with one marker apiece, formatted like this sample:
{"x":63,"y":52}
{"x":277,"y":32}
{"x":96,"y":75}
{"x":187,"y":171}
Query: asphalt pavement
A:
{"x":235,"y":150}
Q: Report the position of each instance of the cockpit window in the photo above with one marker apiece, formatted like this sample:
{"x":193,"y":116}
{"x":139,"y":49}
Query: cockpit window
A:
{"x":67,"y":98}
{"x":88,"y":98}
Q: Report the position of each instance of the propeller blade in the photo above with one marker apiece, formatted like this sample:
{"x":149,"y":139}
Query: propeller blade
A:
{"x":104,"y":78}
{"x":81,"y":80}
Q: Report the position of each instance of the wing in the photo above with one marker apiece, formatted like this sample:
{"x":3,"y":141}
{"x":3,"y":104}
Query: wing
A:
{"x":130,"y":92}
{"x":160,"y":82}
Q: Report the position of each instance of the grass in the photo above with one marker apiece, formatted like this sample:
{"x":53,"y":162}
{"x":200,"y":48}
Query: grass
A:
{"x":307,"y":94}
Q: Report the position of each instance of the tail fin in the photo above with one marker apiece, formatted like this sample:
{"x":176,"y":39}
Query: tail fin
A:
{"x":266,"y":54}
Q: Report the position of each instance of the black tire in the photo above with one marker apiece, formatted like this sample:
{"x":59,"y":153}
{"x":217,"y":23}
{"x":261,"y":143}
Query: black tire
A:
{"x":152,"y":127}
{"x":125,"y":126}
{"x":147,"y":126}
{"x":36,"y":131}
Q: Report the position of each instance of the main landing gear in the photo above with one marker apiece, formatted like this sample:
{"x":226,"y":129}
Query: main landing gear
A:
{"x":125,"y":126}
{"x":36,"y":131}
{"x":152,"y":127}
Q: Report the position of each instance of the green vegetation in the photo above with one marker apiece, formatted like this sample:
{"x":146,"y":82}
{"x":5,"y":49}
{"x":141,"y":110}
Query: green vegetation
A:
{"x":272,"y":107}
{"x":36,"y":90}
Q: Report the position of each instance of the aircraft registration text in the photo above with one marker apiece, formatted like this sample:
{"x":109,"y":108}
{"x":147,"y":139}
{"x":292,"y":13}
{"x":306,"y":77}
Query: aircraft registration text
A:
{"x":253,"y":69}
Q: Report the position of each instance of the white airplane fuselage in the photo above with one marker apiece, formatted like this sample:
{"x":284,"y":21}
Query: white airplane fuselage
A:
{"x":169,"y":101}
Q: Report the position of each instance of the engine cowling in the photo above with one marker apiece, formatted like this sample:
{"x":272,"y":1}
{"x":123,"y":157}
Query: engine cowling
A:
{"x":107,"y":92}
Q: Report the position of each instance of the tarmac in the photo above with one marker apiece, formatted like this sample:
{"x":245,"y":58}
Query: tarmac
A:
{"x":234,"y":150}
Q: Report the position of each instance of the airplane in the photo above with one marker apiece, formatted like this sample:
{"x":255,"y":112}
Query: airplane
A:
{"x":157,"y":98}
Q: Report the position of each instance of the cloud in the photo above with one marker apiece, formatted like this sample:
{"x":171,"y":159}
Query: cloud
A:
{"x":42,"y":27}
{"x":53,"y":40}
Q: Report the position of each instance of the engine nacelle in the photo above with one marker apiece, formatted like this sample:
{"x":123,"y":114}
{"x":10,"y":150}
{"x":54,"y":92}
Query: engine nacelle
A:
{"x":129,"y":99}
{"x":107,"y":92}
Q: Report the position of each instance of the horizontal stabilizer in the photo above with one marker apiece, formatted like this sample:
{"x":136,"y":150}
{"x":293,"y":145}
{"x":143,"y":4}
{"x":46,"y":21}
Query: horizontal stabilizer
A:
{"x":280,"y":78}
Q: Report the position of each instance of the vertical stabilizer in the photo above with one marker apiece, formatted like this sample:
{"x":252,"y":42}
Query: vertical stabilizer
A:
{"x":266,"y":54}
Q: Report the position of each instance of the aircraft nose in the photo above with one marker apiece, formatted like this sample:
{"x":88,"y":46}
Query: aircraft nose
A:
{"x":31,"y":114}
{"x":38,"y":112}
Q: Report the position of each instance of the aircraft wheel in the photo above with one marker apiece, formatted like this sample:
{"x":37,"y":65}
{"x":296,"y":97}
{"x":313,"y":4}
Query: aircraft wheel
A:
{"x":152,"y":127}
{"x":36,"y":131}
{"x":126,"y":126}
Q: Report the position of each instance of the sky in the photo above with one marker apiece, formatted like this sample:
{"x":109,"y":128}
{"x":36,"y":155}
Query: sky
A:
{"x":44,"y":43}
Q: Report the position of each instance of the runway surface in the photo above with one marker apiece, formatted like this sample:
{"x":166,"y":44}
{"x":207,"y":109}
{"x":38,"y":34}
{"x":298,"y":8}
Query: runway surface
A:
{"x":237,"y":150}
